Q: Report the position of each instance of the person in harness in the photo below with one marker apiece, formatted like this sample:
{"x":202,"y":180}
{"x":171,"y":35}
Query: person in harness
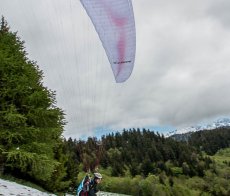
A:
{"x":88,"y":186}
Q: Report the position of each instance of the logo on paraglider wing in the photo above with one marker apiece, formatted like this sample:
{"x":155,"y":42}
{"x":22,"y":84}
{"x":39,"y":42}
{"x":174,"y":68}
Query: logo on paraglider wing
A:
{"x":121,"y":62}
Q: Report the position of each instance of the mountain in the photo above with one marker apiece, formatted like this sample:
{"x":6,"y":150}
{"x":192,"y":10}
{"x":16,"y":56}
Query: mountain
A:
{"x":182,"y":134}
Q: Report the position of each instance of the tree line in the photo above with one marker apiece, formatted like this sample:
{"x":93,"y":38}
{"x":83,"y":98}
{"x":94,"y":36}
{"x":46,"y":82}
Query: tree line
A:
{"x":211,"y":141}
{"x":139,"y":152}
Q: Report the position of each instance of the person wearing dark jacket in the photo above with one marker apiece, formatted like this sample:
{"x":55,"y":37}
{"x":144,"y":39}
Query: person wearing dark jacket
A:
{"x":88,"y":187}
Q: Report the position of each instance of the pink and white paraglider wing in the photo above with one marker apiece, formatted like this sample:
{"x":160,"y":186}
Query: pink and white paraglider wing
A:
{"x":114,"y":23}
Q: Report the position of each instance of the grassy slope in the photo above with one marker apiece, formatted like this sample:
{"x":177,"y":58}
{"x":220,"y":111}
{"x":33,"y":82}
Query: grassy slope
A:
{"x":211,"y":183}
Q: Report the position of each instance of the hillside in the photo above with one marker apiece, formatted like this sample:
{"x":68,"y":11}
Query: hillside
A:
{"x":209,"y":141}
{"x":214,"y":182}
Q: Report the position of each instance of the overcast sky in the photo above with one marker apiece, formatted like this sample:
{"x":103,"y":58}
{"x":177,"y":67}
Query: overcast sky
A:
{"x":181,"y":74}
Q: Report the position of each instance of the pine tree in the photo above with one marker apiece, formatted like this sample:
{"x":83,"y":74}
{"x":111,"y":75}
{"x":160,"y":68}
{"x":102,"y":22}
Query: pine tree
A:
{"x":31,"y":124}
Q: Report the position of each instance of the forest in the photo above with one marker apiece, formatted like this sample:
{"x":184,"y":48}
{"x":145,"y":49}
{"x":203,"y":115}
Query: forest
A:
{"x":136,"y":161}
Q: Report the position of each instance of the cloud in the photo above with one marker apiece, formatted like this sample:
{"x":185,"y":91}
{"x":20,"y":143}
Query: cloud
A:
{"x":181,"y":73}
{"x":219,"y":11}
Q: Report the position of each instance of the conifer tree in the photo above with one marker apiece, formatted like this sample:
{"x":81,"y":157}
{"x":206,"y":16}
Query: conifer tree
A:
{"x":31,"y":124}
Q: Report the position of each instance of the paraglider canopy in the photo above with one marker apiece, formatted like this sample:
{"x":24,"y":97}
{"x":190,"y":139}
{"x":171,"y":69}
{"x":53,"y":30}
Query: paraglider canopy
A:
{"x":114,"y":23}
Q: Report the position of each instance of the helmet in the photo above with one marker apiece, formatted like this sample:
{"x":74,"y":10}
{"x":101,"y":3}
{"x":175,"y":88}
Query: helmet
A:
{"x":98,"y":175}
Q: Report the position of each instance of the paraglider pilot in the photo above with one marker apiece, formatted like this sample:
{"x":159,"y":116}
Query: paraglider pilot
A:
{"x":88,"y":187}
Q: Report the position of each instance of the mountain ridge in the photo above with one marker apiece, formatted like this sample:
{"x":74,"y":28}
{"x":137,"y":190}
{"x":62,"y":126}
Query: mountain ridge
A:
{"x":220,"y":122}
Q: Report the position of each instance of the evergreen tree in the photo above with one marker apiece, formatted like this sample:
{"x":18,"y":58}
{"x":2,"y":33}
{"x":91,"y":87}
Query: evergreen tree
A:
{"x":72,"y":163}
{"x":211,"y":141}
{"x":31,"y":124}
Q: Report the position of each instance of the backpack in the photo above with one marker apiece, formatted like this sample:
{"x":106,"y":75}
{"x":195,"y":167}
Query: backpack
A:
{"x":81,"y":185}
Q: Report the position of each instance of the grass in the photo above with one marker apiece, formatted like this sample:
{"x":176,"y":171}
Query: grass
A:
{"x":222,"y":156}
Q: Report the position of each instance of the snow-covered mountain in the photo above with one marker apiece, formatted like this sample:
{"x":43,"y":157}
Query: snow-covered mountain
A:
{"x":221,"y":122}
